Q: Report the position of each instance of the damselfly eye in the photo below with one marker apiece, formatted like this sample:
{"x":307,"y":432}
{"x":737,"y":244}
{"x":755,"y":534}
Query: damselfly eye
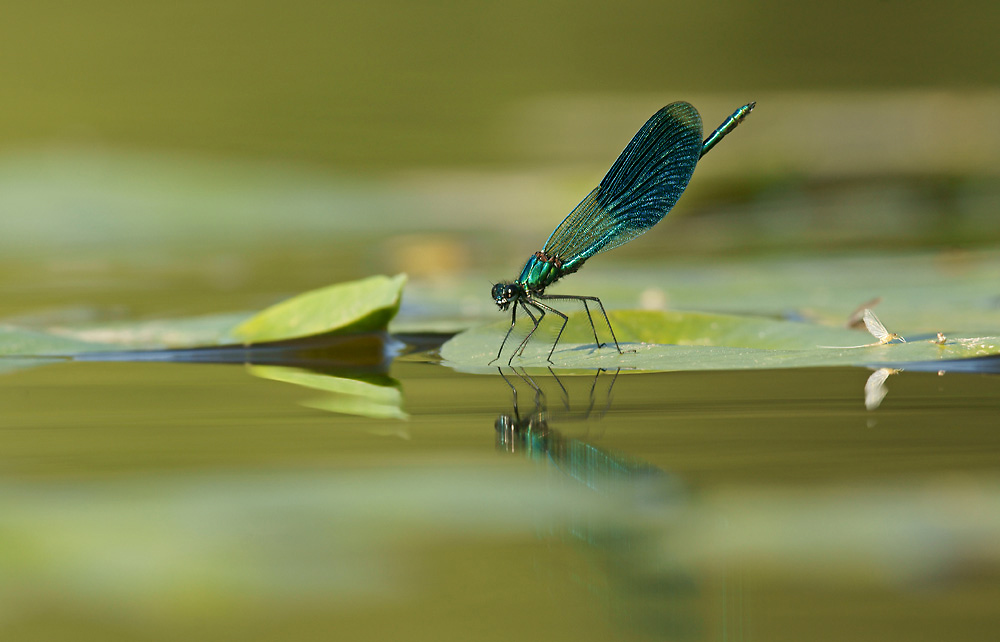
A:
{"x":504,"y":293}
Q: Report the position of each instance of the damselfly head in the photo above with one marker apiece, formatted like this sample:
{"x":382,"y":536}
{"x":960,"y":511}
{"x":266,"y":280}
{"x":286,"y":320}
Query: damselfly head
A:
{"x":506,"y":293}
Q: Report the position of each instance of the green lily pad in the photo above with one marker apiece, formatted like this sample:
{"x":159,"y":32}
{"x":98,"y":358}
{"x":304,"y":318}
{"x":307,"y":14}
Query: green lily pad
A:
{"x":20,"y":348}
{"x":700,"y":341}
{"x":359,"y":306}
{"x":356,"y":307}
{"x":206,"y":330}
{"x":21,"y":342}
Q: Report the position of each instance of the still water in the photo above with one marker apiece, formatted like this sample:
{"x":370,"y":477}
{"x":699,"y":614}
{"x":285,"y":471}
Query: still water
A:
{"x":151,"y":501}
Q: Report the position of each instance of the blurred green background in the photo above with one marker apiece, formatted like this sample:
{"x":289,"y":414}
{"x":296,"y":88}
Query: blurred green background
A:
{"x":333,"y":140}
{"x":358,"y":86}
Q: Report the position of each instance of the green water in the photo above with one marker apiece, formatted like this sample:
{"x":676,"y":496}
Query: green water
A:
{"x":154,"y":501}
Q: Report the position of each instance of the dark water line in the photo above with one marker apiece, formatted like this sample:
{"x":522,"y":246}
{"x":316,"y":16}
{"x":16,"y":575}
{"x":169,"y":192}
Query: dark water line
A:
{"x":974,"y":365}
{"x":357,"y":352}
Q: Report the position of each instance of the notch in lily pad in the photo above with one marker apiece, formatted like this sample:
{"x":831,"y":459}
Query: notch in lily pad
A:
{"x":366,"y":305}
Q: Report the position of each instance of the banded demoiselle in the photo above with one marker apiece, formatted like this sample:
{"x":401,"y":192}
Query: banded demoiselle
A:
{"x":639,"y":189}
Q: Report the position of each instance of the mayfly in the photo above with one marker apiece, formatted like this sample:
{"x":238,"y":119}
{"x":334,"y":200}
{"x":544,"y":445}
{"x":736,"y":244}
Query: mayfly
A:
{"x":877,"y":330}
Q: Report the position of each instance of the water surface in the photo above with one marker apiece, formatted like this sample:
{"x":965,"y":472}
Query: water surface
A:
{"x":692,"y":506}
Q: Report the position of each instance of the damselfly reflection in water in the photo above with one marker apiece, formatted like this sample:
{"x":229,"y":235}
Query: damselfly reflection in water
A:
{"x":637,"y":192}
{"x":540,"y":398}
{"x":531,"y":435}
{"x":639,"y":493}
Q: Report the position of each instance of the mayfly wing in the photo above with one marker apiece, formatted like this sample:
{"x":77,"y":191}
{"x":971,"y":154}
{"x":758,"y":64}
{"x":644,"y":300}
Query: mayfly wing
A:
{"x":875,"y":327}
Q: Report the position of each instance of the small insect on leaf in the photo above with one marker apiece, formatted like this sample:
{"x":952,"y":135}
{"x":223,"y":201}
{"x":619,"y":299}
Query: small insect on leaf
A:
{"x":878,"y":330}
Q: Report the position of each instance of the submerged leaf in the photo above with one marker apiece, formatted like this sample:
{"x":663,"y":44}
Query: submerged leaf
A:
{"x":359,"y":306}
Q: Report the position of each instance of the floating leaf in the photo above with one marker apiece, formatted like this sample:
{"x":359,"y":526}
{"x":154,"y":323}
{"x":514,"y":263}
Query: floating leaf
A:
{"x":359,"y":306}
{"x":21,"y":342}
{"x":20,"y":348}
{"x":185,"y":332}
{"x":699,"y":341}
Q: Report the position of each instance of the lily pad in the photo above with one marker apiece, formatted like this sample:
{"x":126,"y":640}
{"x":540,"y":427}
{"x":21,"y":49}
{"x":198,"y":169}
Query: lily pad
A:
{"x":359,"y":306}
{"x":700,"y":341}
{"x":21,"y":342}
{"x":20,"y":348}
{"x":206,"y":330}
{"x":356,"y":307}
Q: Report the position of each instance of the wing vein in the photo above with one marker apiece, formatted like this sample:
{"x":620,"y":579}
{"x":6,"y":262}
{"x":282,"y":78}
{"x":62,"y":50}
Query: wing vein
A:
{"x":642,"y":185}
